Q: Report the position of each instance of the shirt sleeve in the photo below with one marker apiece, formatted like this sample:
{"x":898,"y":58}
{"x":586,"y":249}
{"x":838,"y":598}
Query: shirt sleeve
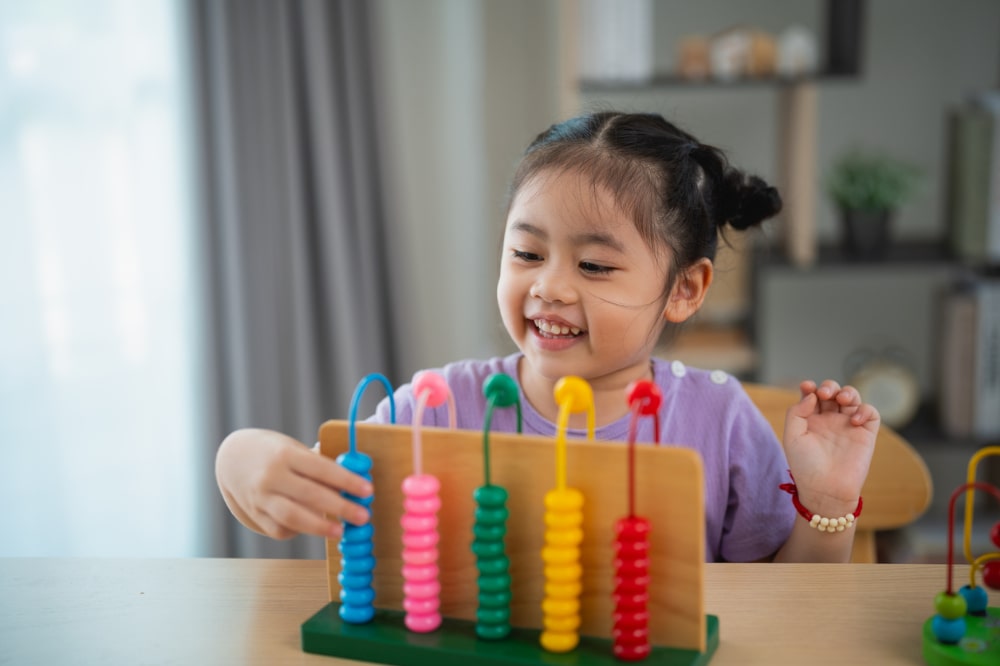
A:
{"x":759,"y":516}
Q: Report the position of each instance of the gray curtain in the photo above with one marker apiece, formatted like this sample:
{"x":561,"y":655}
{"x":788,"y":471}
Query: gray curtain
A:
{"x":292,"y":225}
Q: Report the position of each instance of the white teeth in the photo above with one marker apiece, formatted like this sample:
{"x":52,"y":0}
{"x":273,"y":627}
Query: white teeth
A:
{"x":556,"y":329}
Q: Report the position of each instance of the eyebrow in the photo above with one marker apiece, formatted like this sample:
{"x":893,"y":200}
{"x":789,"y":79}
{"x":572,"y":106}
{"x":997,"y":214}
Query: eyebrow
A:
{"x":585,"y":238}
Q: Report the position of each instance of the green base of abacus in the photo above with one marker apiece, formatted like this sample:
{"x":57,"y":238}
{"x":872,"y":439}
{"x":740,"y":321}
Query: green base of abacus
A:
{"x":979,"y":647}
{"x":386,"y":640}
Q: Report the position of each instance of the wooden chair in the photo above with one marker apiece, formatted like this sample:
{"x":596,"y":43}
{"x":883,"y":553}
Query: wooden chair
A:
{"x":898,"y":489}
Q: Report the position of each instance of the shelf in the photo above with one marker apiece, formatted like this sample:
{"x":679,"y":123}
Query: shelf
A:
{"x":663,"y":81}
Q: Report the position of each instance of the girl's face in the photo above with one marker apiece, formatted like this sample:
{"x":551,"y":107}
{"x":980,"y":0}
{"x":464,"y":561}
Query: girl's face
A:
{"x":580,"y":291}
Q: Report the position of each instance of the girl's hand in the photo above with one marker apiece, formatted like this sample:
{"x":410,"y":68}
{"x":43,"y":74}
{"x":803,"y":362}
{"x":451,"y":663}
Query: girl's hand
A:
{"x":277,"y":486}
{"x":829,"y":441}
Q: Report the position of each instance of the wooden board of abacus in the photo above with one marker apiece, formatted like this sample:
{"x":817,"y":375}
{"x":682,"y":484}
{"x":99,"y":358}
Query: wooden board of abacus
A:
{"x":669,"y":492}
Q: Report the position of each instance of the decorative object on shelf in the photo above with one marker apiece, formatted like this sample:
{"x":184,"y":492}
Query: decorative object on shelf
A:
{"x":886,"y":380}
{"x":797,"y":52}
{"x":742,"y":52}
{"x":693,"y":58}
{"x":867,"y":189}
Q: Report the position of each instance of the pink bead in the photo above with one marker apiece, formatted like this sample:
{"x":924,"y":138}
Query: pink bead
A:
{"x":421,"y":485}
{"x":420,"y":573}
{"x":429,"y":590}
{"x":418,"y":524}
{"x":422,"y":623}
{"x":421,"y":541}
{"x":421,"y":606}
{"x":434,"y":384}
{"x":422,"y":505}
{"x":420,"y":557}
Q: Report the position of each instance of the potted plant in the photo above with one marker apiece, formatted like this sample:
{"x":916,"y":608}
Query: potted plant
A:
{"x":867,"y":189}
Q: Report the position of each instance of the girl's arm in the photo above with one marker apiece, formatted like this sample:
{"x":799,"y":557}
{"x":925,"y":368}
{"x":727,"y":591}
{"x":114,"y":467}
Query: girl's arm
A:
{"x":829,"y":441}
{"x":278,"y":487}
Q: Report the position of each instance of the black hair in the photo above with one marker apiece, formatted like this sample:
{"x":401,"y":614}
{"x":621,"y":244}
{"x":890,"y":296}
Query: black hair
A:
{"x":680,"y":192}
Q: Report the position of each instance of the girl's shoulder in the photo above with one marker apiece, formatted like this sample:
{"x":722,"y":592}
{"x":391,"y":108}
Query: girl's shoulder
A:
{"x":698,"y":386}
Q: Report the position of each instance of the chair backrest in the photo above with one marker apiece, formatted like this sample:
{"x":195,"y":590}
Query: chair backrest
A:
{"x":898,"y":489}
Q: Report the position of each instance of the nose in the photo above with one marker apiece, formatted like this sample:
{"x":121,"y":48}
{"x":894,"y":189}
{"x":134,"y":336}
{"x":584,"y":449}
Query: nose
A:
{"x":553,"y":285}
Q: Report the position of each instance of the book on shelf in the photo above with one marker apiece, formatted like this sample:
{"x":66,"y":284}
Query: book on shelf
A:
{"x":969,"y":401}
{"x":974,"y":179}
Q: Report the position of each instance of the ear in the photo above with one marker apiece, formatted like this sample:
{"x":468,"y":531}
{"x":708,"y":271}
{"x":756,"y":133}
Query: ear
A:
{"x":688,"y":291}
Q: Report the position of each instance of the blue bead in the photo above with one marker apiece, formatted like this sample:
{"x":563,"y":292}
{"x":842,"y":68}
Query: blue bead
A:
{"x":357,"y":597}
{"x":357,"y":565}
{"x":948,"y":631}
{"x":363,"y":501}
{"x":354,"y":581}
{"x":356,"y":462}
{"x":355,"y":533}
{"x":355,"y":549}
{"x":975,"y":599}
{"x":356,"y":614}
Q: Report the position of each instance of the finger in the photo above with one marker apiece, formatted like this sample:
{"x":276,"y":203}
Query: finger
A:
{"x":795,"y":418}
{"x":322,"y":499}
{"x":827,"y":392}
{"x":313,"y":465}
{"x":806,"y":387}
{"x":290,"y":517}
{"x":866,"y":415}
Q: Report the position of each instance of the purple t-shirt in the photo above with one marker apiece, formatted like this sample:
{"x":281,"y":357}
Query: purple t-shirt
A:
{"x":747,"y":517}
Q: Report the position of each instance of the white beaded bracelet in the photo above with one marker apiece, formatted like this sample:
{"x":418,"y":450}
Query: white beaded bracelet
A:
{"x":815,"y":520}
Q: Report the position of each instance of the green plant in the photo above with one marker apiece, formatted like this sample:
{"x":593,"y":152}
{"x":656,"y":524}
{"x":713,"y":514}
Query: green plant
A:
{"x":861,"y":181}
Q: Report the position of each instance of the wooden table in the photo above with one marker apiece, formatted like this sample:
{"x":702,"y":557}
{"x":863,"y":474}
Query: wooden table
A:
{"x":231,"y":611}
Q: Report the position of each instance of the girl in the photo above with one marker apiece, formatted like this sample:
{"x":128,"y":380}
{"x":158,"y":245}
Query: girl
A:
{"x":611,"y":229}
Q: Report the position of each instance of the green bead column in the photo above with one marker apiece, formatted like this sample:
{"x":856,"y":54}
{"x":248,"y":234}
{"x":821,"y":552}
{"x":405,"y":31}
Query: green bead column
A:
{"x":490,"y":528}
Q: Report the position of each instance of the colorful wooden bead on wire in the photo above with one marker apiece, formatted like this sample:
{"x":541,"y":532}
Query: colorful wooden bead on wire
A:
{"x":357,"y":561}
{"x":421,"y":502}
{"x":630,"y":630}
{"x":490,"y":528}
{"x":948,"y":623}
{"x":564,"y":529}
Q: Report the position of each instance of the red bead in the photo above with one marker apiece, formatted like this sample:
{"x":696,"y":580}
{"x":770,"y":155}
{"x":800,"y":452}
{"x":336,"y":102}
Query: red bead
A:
{"x":639,"y":618}
{"x":633,"y":528}
{"x":995,"y":535}
{"x":631,"y":602}
{"x":991,"y":575}
{"x":646,"y":395}
{"x":631,"y":652}
{"x":631,"y":584}
{"x":630,"y":550}
{"x":631,"y":568}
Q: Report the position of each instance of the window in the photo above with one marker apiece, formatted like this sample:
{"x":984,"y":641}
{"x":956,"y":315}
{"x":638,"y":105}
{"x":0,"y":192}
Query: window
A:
{"x":98,"y":325}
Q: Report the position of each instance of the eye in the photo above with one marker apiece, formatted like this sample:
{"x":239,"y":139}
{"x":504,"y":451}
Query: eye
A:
{"x":594,"y":269}
{"x":526,"y":256}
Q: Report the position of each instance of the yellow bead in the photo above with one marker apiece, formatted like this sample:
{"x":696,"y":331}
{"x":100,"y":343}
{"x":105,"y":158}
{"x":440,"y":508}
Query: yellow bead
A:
{"x":574,"y":392}
{"x":562,"y":624}
{"x":565,"y":538}
{"x":560,"y":556}
{"x":560,"y":607}
{"x":559,"y":642}
{"x":564,"y":573}
{"x":564,"y":500}
{"x":563,"y":521}
{"x":568,"y":590}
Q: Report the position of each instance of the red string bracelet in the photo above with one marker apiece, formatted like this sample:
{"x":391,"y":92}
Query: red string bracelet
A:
{"x":815,"y":520}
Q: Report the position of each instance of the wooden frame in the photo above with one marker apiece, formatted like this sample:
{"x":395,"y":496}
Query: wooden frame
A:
{"x":669,"y":492}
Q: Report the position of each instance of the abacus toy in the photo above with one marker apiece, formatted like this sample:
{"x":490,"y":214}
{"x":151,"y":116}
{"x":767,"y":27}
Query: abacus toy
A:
{"x":965,"y":629}
{"x":518,"y":554}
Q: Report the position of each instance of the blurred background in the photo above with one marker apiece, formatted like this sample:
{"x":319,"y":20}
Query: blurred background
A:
{"x":224,"y":214}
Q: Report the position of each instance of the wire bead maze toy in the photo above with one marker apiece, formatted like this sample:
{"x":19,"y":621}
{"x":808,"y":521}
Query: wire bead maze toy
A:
{"x":421,"y":502}
{"x":357,"y":562}
{"x":564,"y":529}
{"x":630,"y":632}
{"x":964,"y":629}
{"x":490,"y":527}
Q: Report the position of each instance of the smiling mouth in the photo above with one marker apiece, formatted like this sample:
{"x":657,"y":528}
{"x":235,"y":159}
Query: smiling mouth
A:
{"x":550,"y":330}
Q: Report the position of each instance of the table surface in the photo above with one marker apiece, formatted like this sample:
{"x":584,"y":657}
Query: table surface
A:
{"x":237,"y":611}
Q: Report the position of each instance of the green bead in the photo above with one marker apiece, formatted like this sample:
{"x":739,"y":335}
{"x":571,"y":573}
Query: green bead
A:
{"x":487,"y":549}
{"x":950,"y":606}
{"x":493,"y":584}
{"x":501,"y":388}
{"x":494,"y":599}
{"x":492,"y":615}
{"x":491,"y":516}
{"x":492,"y":496}
{"x":492,"y":632}
{"x":494,"y":566}
{"x":489,"y":532}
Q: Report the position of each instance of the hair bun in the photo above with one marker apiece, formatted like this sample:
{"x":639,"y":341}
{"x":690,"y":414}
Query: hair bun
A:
{"x":748,"y":200}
